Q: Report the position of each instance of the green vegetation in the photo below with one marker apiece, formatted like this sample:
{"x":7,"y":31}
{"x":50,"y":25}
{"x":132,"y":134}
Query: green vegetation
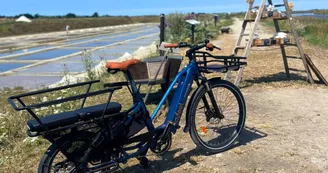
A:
{"x":9,"y":27}
{"x":315,"y":11}
{"x":320,"y":11}
{"x":70,"y":15}
{"x":95,"y":14}
{"x":313,"y":30}
{"x":179,"y":30}
{"x":88,"y":64}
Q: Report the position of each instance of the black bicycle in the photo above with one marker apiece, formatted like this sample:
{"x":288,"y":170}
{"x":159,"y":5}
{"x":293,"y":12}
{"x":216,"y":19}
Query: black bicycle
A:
{"x":98,"y":138}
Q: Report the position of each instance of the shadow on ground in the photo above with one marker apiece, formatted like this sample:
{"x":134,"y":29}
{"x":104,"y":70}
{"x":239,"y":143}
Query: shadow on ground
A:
{"x":279,"y":77}
{"x":171,"y":160}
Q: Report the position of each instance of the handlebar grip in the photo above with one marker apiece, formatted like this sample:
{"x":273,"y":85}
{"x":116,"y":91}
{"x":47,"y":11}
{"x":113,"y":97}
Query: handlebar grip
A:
{"x":171,"y":45}
{"x":210,"y":46}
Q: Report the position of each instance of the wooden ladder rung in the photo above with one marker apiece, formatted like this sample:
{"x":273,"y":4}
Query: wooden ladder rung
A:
{"x":290,"y":45}
{"x":287,"y":32}
{"x":245,"y":35}
{"x":249,"y":20}
{"x":240,"y":47}
{"x":282,"y":18}
{"x":279,"y":5}
{"x":293,"y":57}
{"x":297,"y":70}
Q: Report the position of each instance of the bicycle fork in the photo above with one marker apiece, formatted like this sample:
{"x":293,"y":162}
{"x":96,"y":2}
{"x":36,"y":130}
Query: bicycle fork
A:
{"x":217,"y":112}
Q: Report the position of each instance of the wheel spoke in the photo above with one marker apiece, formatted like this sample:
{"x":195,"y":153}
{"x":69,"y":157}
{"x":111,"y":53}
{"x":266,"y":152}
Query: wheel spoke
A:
{"x":218,"y":135}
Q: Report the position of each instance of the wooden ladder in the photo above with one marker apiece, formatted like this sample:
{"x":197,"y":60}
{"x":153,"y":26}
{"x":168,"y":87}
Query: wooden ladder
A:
{"x":242,"y":34}
{"x":247,"y":48}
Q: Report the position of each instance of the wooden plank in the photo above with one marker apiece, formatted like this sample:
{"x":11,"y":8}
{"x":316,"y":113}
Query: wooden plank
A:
{"x":283,"y":50}
{"x":296,"y":70}
{"x":284,"y":58}
{"x":316,"y":70}
{"x":293,"y":57}
{"x":242,"y":32}
{"x":251,"y":39}
{"x":297,"y":41}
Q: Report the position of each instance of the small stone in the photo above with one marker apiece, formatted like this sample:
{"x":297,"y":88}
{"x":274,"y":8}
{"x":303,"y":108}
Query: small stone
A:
{"x":218,"y":155}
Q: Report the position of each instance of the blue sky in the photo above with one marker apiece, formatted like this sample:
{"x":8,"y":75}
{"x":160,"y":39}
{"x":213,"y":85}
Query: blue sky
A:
{"x":136,"y":7}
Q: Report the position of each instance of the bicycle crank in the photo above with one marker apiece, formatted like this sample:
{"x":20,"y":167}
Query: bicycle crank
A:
{"x":160,"y":144}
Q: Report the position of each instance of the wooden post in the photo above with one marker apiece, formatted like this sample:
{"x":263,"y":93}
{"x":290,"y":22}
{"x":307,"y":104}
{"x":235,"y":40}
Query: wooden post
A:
{"x":298,"y":43}
{"x":215,"y":19}
{"x":192,"y":33}
{"x":162,"y":31}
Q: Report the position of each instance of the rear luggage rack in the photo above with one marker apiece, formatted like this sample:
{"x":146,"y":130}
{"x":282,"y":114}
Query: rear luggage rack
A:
{"x":18,"y":104}
{"x":209,"y":63}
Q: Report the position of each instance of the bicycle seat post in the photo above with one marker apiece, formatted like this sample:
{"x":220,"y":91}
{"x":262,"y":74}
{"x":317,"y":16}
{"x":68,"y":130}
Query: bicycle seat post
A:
{"x":134,"y":89}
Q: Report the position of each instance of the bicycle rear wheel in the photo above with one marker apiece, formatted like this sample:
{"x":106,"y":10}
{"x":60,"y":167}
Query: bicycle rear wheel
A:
{"x":214,"y":134}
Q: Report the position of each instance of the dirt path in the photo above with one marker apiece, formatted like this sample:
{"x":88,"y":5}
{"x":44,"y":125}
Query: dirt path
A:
{"x":286,"y":127}
{"x":285,"y":132}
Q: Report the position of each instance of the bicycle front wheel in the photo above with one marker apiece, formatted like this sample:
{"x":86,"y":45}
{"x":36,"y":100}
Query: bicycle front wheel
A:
{"x":209,"y":132}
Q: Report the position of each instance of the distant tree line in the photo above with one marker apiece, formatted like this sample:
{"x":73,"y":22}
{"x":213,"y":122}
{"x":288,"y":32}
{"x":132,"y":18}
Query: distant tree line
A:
{"x":68,"y":15}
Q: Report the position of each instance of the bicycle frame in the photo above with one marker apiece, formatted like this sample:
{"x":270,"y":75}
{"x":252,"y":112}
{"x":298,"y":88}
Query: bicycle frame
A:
{"x":184,"y":79}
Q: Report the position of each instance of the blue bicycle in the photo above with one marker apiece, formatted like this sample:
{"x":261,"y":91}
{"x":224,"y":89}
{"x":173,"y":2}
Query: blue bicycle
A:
{"x":98,"y":138}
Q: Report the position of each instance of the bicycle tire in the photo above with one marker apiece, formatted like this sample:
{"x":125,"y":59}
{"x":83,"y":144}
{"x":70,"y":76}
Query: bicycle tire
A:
{"x":47,"y":160}
{"x":199,"y":94}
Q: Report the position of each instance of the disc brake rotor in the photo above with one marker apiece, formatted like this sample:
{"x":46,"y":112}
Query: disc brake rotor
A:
{"x":211,"y":117}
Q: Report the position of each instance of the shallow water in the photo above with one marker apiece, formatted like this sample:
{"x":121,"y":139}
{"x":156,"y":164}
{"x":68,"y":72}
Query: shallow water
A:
{"x":15,"y":52}
{"x":48,"y":54}
{"x":56,"y":67}
{"x":10,"y":66}
{"x":320,"y":16}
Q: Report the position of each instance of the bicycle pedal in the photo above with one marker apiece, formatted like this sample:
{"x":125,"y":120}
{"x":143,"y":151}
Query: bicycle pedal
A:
{"x":144,"y":162}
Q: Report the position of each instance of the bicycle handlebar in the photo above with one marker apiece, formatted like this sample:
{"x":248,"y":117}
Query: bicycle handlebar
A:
{"x":209,"y":46}
{"x":193,"y":48}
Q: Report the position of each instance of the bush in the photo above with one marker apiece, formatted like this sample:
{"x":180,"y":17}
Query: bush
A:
{"x":70,"y":15}
{"x":178,"y":29}
{"x":95,"y":14}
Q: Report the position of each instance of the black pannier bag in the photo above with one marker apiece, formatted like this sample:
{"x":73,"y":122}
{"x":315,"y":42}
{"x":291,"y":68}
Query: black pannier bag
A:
{"x":137,"y":123}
